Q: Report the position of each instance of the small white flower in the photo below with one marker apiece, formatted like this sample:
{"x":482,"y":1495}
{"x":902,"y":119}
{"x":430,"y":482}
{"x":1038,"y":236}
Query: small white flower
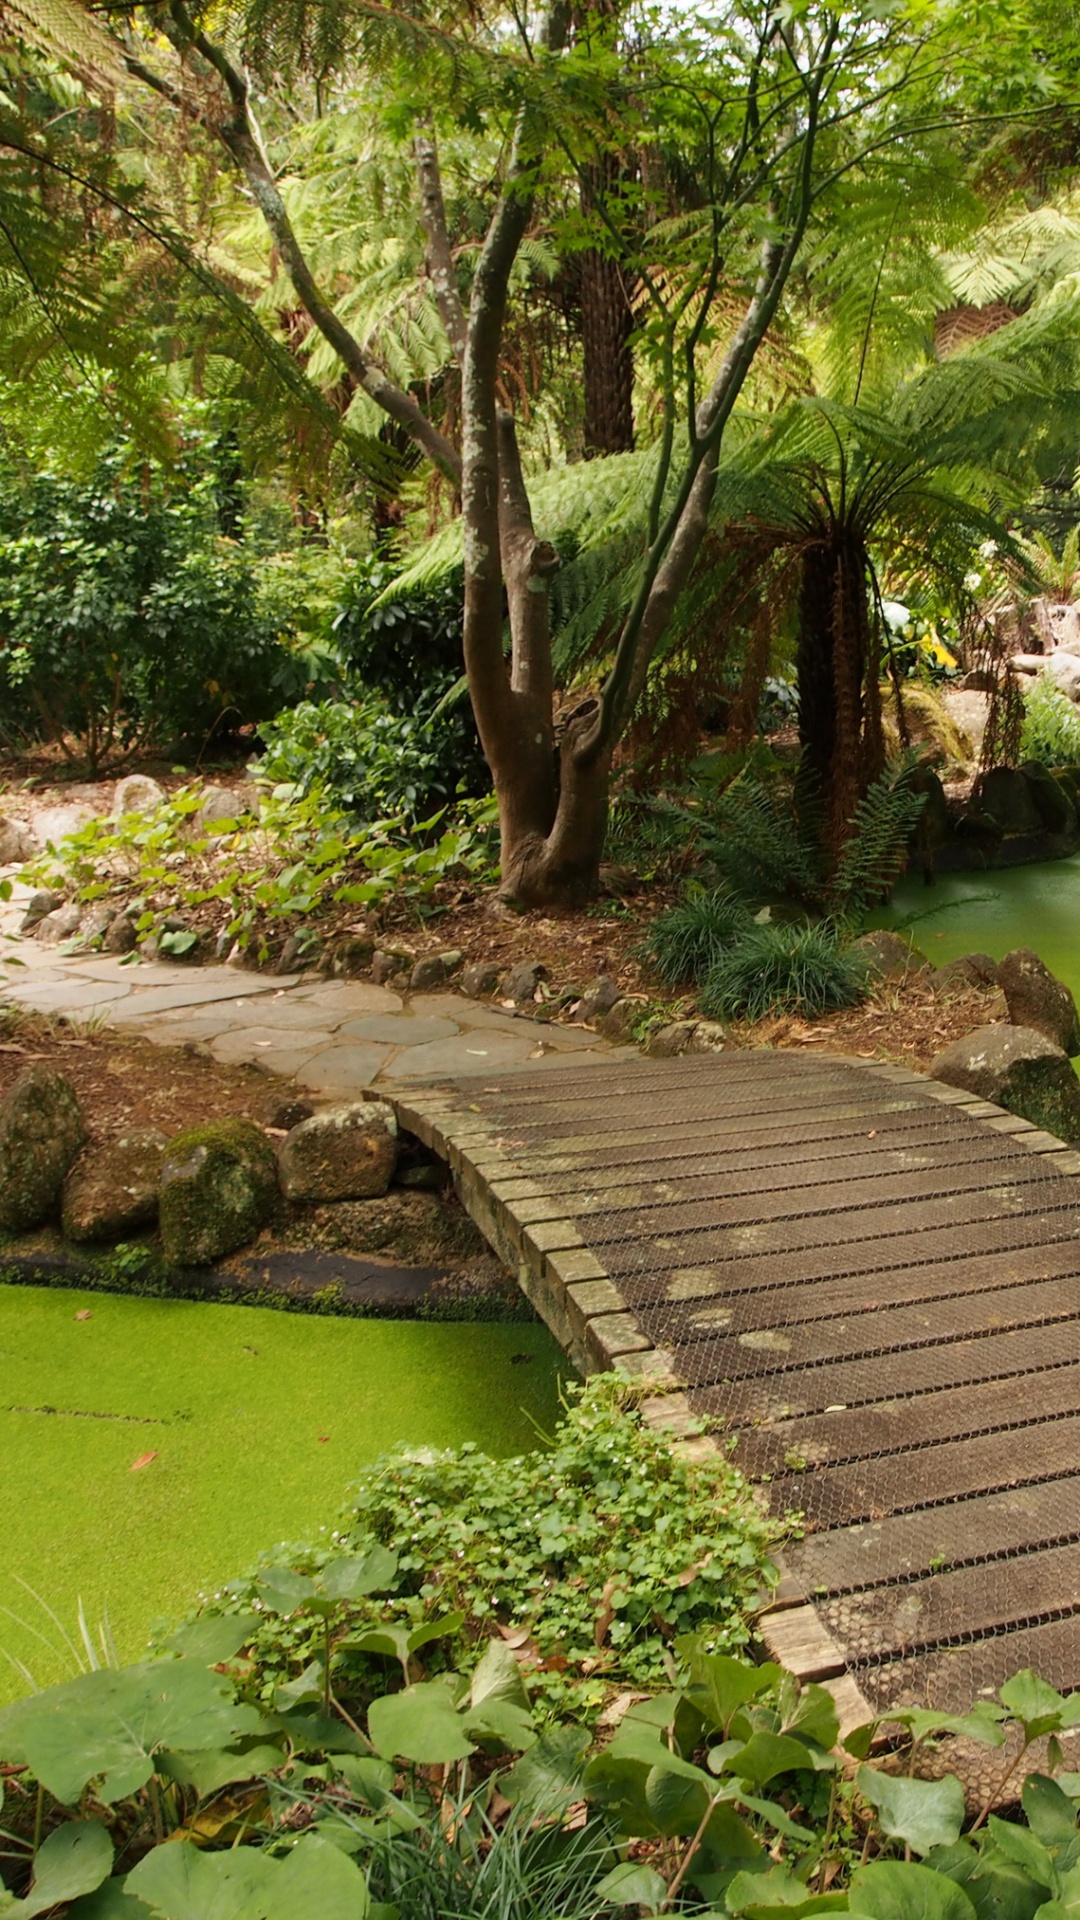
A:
{"x":972,"y":581}
{"x":988,"y":549}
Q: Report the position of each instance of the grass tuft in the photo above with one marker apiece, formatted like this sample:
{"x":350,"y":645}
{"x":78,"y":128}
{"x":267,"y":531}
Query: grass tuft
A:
{"x":783,"y":969}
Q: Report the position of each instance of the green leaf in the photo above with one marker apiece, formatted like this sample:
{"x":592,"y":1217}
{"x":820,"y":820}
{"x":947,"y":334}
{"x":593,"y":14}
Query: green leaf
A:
{"x":900,"y":1890}
{"x":359,"y":1573}
{"x":766,"y":1755}
{"x":498,"y":1677}
{"x":420,"y":1724}
{"x":980,"y":1725}
{"x":815,"y":1717}
{"x":719,"y":1684}
{"x":110,"y":1724}
{"x":922,"y":1813}
{"x":220,"y":1766}
{"x":179,"y":1882}
{"x":73,"y":1860}
{"x":316,"y":1879}
{"x":213,"y":1638}
{"x":1017,"y":1844}
{"x":548,"y":1778}
{"x":1050,"y":1813}
{"x":751,"y":1892}
{"x":110,"y":1902}
{"x":284,"y":1590}
{"x":1033,"y":1702}
{"x":630,"y":1884}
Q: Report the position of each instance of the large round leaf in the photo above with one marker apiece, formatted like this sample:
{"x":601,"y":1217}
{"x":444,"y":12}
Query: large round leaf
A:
{"x":421,"y":1724}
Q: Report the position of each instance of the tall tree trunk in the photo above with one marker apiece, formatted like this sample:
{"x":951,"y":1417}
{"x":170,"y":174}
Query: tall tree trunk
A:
{"x":837,"y":669}
{"x":607,"y":321}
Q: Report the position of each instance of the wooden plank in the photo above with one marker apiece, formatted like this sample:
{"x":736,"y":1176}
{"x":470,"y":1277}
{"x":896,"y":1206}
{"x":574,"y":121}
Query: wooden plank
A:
{"x":822,"y":1299}
{"x":1015,"y":1456}
{"x":930,"y":1323}
{"x":918,"y":1419}
{"x":953,"y":1677}
{"x":787,"y":1393}
{"x":993,"y":1597}
{"x":880,"y":1255}
{"x":797,"y":1638}
{"x":1017,"y":1520}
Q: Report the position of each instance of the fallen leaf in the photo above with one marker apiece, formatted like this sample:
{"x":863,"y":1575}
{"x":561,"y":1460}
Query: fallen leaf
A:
{"x":143,"y":1460}
{"x":872,"y":1135}
{"x":84,"y":1313}
{"x":607,"y":1612}
{"x":323,"y":1438}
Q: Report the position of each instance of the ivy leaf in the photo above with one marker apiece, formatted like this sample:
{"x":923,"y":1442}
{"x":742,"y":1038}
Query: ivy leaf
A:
{"x":923,"y":1813}
{"x":110,"y":1724}
{"x":213,"y":1638}
{"x":900,"y":1890}
{"x":548,"y":1778}
{"x":421,"y":1724}
{"x":630,"y":1884}
{"x":73,"y":1860}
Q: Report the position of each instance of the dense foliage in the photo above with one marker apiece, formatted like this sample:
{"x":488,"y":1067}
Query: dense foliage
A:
{"x":127,"y":618}
{"x":591,"y":1556}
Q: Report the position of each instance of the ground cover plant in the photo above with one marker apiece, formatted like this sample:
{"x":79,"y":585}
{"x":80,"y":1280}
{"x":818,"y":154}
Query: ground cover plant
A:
{"x":167,"y":1789}
{"x":249,"y":1423}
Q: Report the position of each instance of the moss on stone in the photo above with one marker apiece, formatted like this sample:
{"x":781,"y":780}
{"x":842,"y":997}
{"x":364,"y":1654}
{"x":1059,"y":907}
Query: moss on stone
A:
{"x":218,"y":1187}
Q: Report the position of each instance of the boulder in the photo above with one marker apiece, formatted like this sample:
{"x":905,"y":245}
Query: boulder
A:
{"x":599,"y":997}
{"x":1019,"y":1069}
{"x":665,"y":1042}
{"x":136,"y":794}
{"x":618,"y":1022}
{"x":62,"y":924}
{"x":1037,"y":998}
{"x":521,"y":982}
{"x":37,"y":907}
{"x":1063,"y":668}
{"x":17,"y":843}
{"x":1006,"y":799}
{"x":112,"y":1189}
{"x":434,"y":969}
{"x":298,"y":951}
{"x":221,"y":809}
{"x":391,"y":963}
{"x":120,"y":935}
{"x":284,"y":1114}
{"x":218,"y":1187}
{"x":888,"y":955}
{"x":346,"y":1152}
{"x":709,"y":1036}
{"x":480,"y":980}
{"x":351,"y":956}
{"x":970,"y":970}
{"x":41,"y":1131}
{"x":53,"y":824}
{"x":1053,"y":804}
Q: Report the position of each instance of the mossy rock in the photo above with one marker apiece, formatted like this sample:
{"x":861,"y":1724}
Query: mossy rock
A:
{"x":218,"y":1188}
{"x":41,"y":1131}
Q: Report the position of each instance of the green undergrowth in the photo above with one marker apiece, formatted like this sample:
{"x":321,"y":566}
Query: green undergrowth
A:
{"x":255,"y":1423}
{"x":592,"y":1555}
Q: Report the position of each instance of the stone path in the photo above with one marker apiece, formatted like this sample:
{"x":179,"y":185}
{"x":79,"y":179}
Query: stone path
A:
{"x":332,"y":1037}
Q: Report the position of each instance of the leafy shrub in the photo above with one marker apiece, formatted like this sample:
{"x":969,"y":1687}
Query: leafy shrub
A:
{"x":126,"y":618}
{"x":163,"y":1789}
{"x":1051,"y":729}
{"x":297,"y":857}
{"x":783,"y":969}
{"x":597,"y":1552}
{"x":366,"y":760}
{"x":684,"y":943}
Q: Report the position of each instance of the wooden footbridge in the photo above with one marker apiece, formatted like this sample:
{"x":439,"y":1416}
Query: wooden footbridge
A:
{"x":872,"y":1281}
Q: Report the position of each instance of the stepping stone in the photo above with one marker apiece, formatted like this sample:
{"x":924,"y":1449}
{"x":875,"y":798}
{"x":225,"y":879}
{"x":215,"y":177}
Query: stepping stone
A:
{"x":399,"y":1030}
{"x":468,"y":1053}
{"x":350,"y":997}
{"x":169,"y":999}
{"x":72,"y":996}
{"x":465,"y":1013}
{"x":240,"y":1045}
{"x":343,"y":1069}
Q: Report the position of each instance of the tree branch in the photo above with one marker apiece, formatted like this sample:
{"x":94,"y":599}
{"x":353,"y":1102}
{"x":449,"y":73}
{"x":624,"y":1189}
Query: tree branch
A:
{"x":240,"y":134}
{"x":440,"y":259}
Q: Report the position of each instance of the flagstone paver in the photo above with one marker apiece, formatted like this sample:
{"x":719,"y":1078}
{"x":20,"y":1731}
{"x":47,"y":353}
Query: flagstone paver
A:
{"x":335,"y":1037}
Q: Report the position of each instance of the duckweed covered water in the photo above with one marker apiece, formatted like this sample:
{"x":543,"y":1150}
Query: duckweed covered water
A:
{"x":1037,"y":906}
{"x":155,"y":1448}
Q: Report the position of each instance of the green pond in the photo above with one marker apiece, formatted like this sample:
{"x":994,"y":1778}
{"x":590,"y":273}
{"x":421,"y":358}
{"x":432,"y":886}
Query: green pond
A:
{"x":154,"y":1449}
{"x":1036,"y":906}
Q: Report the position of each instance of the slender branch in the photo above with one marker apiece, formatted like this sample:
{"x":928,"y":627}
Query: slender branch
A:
{"x":240,"y":134}
{"x":440,"y":259}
